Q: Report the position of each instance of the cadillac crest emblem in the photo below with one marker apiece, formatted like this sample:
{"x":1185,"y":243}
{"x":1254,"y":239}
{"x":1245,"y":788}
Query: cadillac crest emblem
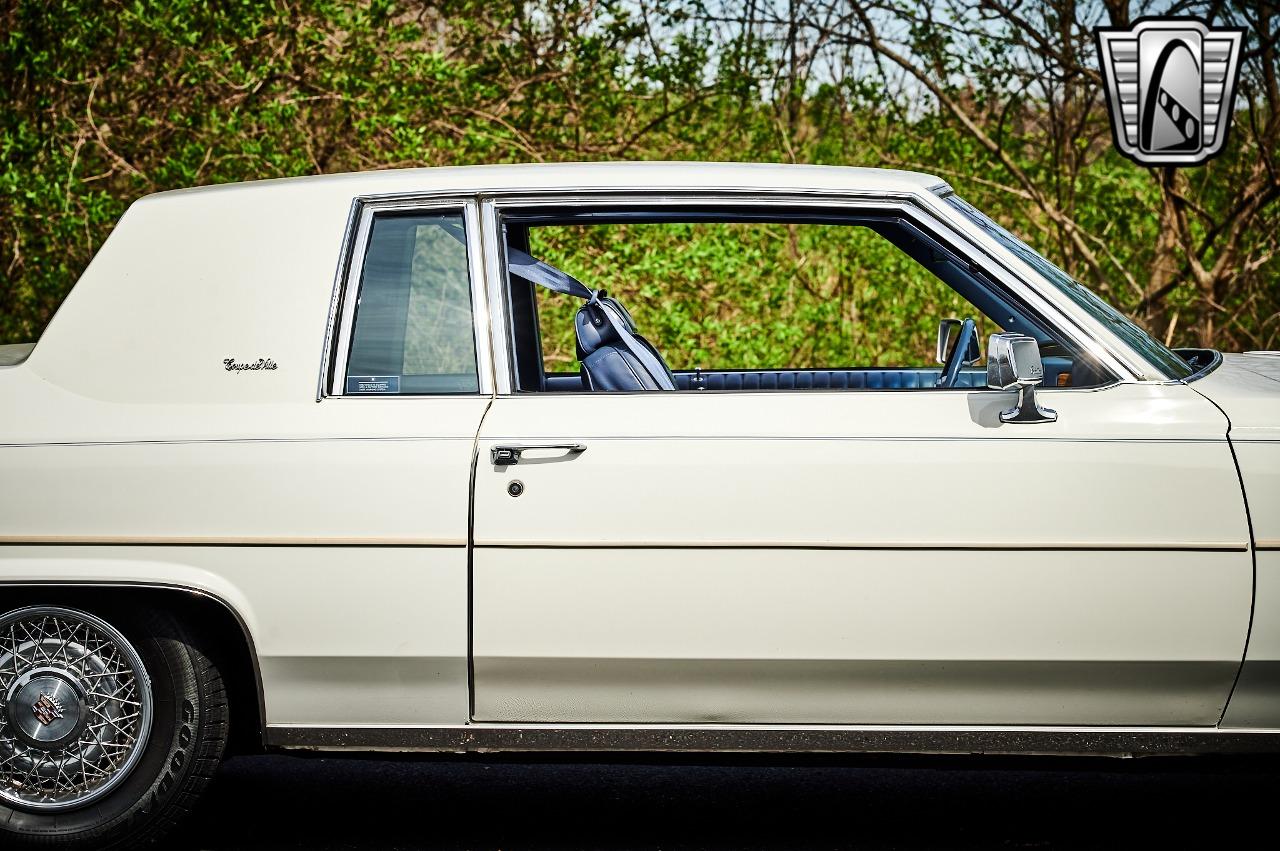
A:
{"x":46,"y":709}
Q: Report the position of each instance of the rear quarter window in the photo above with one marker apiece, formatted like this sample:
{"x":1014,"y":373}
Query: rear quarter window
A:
{"x":413,"y":331}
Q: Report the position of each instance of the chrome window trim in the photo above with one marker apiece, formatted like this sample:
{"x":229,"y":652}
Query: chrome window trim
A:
{"x":495,"y":260}
{"x":335,"y":299}
{"x":1129,"y":366}
{"x":347,"y":291}
{"x":481,"y":318}
{"x":938,"y":222}
{"x":823,"y":390}
{"x":1139,"y":367}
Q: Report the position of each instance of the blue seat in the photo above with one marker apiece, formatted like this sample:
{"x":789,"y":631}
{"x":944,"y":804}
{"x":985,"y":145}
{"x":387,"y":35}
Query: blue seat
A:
{"x":615,"y":358}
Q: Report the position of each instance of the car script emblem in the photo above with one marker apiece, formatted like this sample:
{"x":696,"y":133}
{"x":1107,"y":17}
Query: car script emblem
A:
{"x":47,"y":709}
{"x":233,"y":365}
{"x":1170,"y":86}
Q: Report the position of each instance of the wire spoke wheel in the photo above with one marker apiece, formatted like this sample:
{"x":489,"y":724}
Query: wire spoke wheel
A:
{"x":75,"y":708}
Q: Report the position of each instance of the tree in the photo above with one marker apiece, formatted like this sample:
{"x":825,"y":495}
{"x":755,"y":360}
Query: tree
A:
{"x":108,"y":100}
{"x":1019,"y":80}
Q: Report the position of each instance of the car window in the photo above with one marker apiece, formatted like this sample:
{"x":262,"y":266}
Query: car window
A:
{"x":754,"y":295}
{"x":413,"y":329}
{"x":1166,"y":360}
{"x":742,"y":299}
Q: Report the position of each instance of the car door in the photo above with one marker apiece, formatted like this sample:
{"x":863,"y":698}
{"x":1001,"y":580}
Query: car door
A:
{"x":868,"y":557}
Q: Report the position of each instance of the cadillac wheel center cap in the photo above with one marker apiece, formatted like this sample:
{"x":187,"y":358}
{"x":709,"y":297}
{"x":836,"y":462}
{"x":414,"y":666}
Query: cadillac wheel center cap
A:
{"x":45,"y":708}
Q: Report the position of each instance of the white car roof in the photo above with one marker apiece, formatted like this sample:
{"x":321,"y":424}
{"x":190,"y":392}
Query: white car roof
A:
{"x":597,"y":175}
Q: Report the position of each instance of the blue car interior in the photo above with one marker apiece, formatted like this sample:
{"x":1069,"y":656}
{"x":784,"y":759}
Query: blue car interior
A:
{"x":613,"y":355}
{"x":792,"y":379}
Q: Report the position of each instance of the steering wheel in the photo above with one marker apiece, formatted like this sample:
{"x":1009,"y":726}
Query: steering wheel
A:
{"x":968,"y":336}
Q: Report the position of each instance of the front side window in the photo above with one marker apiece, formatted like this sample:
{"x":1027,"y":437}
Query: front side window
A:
{"x":413,"y":332}
{"x":756,"y":300}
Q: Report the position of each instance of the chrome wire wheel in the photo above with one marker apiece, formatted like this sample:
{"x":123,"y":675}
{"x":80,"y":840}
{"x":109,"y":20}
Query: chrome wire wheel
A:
{"x":75,"y":708}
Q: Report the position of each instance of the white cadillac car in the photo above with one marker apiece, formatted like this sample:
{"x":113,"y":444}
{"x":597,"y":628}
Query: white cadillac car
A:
{"x":291,"y":468}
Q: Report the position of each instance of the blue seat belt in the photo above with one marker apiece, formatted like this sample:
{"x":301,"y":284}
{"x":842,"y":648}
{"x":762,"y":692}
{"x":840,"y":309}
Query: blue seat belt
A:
{"x":544,"y":274}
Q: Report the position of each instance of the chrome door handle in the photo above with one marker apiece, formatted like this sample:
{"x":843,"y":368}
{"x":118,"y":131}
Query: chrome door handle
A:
{"x":509,"y":453}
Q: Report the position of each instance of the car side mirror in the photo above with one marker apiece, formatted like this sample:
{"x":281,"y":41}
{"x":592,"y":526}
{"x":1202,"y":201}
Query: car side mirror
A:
{"x":1013,"y":363}
{"x":947,"y":331}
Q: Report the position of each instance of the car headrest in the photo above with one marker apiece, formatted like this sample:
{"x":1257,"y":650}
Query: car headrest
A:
{"x":594,"y":323}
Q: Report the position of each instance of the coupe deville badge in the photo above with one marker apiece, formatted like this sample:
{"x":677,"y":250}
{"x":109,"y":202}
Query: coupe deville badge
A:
{"x":1170,"y":86}
{"x":233,"y":365}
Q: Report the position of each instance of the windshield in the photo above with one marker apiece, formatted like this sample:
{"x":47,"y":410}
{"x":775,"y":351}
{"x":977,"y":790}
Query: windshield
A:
{"x":1158,"y":355}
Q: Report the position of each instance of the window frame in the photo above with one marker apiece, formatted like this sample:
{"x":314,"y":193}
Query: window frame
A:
{"x":882,"y":205}
{"x":342,"y":309}
{"x":1016,"y":246}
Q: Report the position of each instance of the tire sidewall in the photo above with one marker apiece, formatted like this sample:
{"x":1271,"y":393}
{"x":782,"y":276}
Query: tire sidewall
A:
{"x":169,"y":756}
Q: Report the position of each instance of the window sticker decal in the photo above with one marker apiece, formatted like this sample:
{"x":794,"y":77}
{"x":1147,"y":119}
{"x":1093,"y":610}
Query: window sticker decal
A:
{"x":373,"y":384}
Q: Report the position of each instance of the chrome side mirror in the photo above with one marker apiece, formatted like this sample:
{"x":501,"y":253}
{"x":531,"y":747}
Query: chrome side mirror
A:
{"x":947,"y":331}
{"x":1013,"y":363}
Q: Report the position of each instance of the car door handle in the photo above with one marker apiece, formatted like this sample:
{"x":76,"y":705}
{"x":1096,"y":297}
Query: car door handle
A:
{"x":509,"y":453}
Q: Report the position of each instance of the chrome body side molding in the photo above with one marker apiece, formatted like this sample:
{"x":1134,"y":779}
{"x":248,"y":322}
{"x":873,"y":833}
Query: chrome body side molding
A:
{"x":797,"y":739}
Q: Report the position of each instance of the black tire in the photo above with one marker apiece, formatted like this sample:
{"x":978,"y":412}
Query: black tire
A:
{"x":187,"y":738}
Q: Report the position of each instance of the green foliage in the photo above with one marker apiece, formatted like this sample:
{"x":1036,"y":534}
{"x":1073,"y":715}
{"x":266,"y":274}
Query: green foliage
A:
{"x":110,"y":100}
{"x":106,"y":101}
{"x":751,"y":296}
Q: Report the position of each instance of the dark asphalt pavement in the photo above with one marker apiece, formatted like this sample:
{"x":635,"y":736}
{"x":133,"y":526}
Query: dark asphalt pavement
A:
{"x":323,"y":803}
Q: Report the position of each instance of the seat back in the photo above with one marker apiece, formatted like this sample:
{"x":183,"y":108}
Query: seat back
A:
{"x":614,"y":356}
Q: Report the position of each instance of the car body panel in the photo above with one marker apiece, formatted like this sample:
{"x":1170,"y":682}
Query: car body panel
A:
{"x":337,"y":528}
{"x":350,"y":574}
{"x":1247,"y":388}
{"x":132,"y":454}
{"x":343,"y":635}
{"x":860,"y":558}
